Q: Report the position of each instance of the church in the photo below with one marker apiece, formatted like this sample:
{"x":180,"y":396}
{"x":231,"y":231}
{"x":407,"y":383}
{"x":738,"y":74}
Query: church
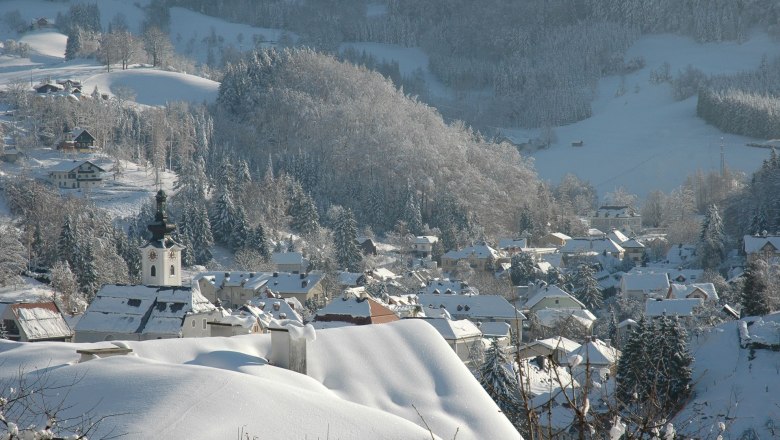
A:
{"x":157,"y":309}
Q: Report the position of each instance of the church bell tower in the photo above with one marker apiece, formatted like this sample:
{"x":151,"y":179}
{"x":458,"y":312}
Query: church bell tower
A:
{"x":161,"y":256}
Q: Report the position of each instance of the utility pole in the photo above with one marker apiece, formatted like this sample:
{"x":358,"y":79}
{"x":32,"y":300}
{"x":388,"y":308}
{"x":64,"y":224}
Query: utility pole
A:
{"x":722,"y":159}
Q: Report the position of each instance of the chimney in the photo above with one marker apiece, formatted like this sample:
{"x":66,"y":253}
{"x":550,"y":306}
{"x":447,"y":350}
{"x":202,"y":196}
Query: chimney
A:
{"x":276,"y":274}
{"x":304,"y":283}
{"x":303,"y":275}
{"x":608,"y":342}
{"x":288,"y":346}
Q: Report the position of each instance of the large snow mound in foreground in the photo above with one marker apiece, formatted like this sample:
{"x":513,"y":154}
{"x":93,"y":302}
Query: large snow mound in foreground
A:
{"x":361,"y":385}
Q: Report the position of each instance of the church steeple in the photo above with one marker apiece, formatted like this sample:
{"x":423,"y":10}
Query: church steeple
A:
{"x":160,"y":227}
{"x":161,"y":256}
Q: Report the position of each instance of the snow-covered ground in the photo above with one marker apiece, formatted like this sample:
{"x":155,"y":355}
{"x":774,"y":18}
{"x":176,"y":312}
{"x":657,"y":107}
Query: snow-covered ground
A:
{"x":154,"y":87}
{"x":363,"y":383}
{"x":732,"y":386}
{"x":645,"y":140}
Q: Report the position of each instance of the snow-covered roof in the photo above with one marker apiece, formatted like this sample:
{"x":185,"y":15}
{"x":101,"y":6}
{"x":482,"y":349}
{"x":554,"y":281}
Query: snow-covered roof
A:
{"x":351,"y":278}
{"x":558,"y":343}
{"x":448,"y":287}
{"x":550,"y":291}
{"x":755,"y":244}
{"x":141,"y":309}
{"x":550,"y":317}
{"x":383,"y":274}
{"x":494,"y":329}
{"x":620,"y":211}
{"x":627,"y":322}
{"x":679,"y":291}
{"x":276,"y":308}
{"x":645,"y":282}
{"x":681,"y":253}
{"x":452,"y":329}
{"x":356,"y":311}
{"x":585,"y":245}
{"x":480,"y":251}
{"x":597,"y":352}
{"x":508,"y":243}
{"x":632,"y":243}
{"x":287,"y":258}
{"x":617,"y":236}
{"x":67,"y":166}
{"x":559,"y":235}
{"x":280,"y":282}
{"x":475,"y":307}
{"x":671,"y":307}
{"x":40,"y":321}
{"x":425,"y":239}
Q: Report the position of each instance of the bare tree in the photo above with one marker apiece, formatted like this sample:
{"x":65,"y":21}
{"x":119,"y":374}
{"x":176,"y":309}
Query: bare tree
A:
{"x":157,"y":45}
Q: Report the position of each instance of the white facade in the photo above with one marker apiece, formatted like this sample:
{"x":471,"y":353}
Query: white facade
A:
{"x":160,"y":265}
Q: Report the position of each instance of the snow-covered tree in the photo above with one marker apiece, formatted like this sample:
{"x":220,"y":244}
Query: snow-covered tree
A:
{"x":523,"y":269}
{"x":348,"y":255}
{"x":587,"y":288}
{"x":222,"y":217}
{"x":64,"y":282}
{"x":13,"y":257}
{"x":755,"y":298}
{"x":497,"y":378}
{"x":711,"y":247}
{"x":239,"y":236}
{"x":303,"y":214}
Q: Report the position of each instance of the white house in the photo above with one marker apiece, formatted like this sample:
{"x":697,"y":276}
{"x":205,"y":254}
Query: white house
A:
{"x":644,"y":285}
{"x":292,"y":262}
{"x":704,"y":291}
{"x":590,"y":246}
{"x":422,"y":246}
{"x":476,"y":308}
{"x":762,"y":244}
{"x":76,"y":174}
{"x":620,"y":217}
{"x":462,"y":335}
{"x":559,"y":348}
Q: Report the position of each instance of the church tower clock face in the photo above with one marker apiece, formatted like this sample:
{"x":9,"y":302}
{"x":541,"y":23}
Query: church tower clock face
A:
{"x":152,"y":255}
{"x":172,"y":254}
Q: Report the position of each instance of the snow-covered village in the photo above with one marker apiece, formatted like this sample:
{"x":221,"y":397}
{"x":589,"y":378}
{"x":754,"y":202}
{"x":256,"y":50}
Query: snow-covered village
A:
{"x":389,"y":219}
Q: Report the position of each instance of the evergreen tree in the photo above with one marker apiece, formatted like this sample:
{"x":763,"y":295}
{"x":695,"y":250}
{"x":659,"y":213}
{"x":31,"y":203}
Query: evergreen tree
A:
{"x":411,"y":213}
{"x":243,"y":176}
{"x":67,"y":244}
{"x":303,"y":212}
{"x":87,"y":271}
{"x":587,"y":288}
{"x":73,"y":45}
{"x":711,"y":248}
{"x":258,"y":242}
{"x":755,"y":299}
{"x":200,"y":236}
{"x":222,"y":218}
{"x":240,"y":234}
{"x":13,"y":255}
{"x":348,"y":254}
{"x":633,"y":382}
{"x":522,"y":270}
{"x":499,"y":382}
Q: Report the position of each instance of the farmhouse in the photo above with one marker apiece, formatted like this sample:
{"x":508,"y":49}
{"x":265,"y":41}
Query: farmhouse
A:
{"x":75,"y":174}
{"x":79,"y":140}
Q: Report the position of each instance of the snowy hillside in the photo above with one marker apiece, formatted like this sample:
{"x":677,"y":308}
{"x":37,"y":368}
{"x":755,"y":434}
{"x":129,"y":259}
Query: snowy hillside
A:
{"x":155,"y":87}
{"x":362,"y":383}
{"x":733,"y":385}
{"x":644,"y":140}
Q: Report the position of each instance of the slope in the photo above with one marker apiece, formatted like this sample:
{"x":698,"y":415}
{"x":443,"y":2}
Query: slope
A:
{"x":210,"y":387}
{"x":154,"y":87}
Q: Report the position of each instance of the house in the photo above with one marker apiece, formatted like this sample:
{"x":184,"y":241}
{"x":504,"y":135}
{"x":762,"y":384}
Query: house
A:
{"x":634,"y":250}
{"x":558,"y":349}
{"x":703,"y":291}
{"x":257,"y":316}
{"x":72,"y":85}
{"x":681,"y":255}
{"x":621,"y":217}
{"x":624,"y":330}
{"x":644,"y":285}
{"x":10,"y":154}
{"x":462,"y":335}
{"x":75,"y":174}
{"x":137,"y":313}
{"x":79,"y":140}
{"x":657,"y":307}
{"x":512,"y":246}
{"x":366,"y":245}
{"x":422,"y":246}
{"x":551,"y":297}
{"x":496,"y":330}
{"x":48,"y":88}
{"x":293,"y":262}
{"x":599,"y":355}
{"x":762,"y":244}
{"x":353,"y":310}
{"x":476,"y":308}
{"x":351,"y":279}
{"x":555,"y":239}
{"x":550,"y":318}
{"x":34,"y":322}
{"x":480,"y":257}
{"x":578,"y":248}
{"x":617,"y":236}
{"x":234,"y":289}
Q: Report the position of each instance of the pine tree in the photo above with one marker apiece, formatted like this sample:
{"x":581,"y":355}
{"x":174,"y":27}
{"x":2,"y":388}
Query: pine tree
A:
{"x":500,"y":383}
{"x":711,"y":247}
{"x":587,"y":288}
{"x":632,"y":373}
{"x":240,"y":234}
{"x":411,"y":212}
{"x":73,"y":45}
{"x":303,"y":212}
{"x":13,"y":255}
{"x":87,"y":271}
{"x":67,"y":244}
{"x":222,"y":219}
{"x":522,"y":269}
{"x":755,"y":300}
{"x":243,"y":176}
{"x":348,"y":254}
{"x":199,"y":229}
{"x":258,"y":242}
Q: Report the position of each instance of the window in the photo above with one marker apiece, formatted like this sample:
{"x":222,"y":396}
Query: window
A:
{"x":204,"y":323}
{"x":173,"y":270}
{"x":153,"y":271}
{"x":193,"y":323}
